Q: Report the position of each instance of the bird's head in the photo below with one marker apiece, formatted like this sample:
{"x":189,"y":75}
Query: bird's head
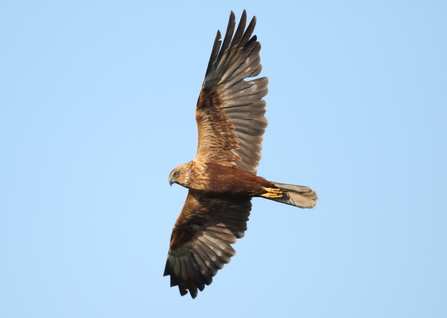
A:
{"x":179,"y":175}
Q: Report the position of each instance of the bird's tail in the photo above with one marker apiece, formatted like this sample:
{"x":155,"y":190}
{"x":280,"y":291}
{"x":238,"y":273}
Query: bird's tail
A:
{"x":300,"y":196}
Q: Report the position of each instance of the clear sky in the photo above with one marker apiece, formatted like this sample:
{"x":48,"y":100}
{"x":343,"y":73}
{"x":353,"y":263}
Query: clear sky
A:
{"x":97,"y":106}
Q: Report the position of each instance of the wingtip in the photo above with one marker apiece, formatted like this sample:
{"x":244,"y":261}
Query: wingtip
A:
{"x":232,"y":18}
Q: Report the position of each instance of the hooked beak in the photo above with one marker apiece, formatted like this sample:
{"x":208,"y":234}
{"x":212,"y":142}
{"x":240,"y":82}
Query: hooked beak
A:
{"x":171,"y":182}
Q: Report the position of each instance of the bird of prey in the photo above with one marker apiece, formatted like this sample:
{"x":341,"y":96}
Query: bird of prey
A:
{"x":222,"y":177}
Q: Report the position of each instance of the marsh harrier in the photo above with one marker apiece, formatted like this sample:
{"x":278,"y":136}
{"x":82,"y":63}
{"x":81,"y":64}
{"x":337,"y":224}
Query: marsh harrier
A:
{"x":222,"y":177}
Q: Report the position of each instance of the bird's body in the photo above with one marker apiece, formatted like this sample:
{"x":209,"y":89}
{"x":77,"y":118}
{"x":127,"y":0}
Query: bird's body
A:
{"x":218,"y":180}
{"x":222,"y":177}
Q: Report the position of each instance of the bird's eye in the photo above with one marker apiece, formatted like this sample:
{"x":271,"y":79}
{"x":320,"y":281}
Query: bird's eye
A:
{"x":176,"y":174}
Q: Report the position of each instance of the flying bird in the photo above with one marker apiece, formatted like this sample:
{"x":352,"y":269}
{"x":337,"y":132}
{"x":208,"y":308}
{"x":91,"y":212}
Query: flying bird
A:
{"x":222,"y":177}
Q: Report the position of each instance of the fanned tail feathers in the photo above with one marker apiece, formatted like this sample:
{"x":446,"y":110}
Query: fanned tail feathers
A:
{"x":299,"y":196}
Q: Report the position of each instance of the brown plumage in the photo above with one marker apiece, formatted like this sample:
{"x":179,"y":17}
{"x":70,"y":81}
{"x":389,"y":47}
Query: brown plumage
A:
{"x":222,"y":177}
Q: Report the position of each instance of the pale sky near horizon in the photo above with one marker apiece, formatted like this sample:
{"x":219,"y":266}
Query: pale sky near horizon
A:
{"x":97,"y":107}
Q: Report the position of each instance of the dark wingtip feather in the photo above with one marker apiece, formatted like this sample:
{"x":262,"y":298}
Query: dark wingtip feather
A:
{"x":167,"y":270}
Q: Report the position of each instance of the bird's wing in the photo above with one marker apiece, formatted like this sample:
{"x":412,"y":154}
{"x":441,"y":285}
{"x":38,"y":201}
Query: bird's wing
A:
{"x":230,"y":110}
{"x":201,"y":239}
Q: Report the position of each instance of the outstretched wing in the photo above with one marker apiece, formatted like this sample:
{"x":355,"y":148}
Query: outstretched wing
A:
{"x":201,"y":240}
{"x":230,"y":110}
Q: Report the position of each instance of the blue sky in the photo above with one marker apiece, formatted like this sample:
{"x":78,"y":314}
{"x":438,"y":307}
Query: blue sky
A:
{"x":97,"y":106}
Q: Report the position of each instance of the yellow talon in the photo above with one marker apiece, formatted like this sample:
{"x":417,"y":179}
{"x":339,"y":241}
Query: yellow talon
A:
{"x":272,"y":193}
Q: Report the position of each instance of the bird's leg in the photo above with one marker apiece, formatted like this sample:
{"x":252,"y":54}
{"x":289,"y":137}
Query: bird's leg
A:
{"x":272,"y":193}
